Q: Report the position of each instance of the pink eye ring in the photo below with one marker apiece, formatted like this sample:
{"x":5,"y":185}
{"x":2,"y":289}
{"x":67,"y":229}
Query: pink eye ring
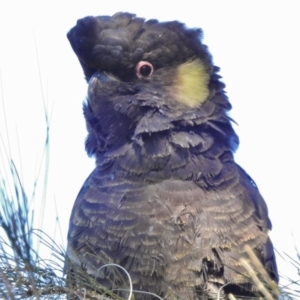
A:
{"x":144,"y":69}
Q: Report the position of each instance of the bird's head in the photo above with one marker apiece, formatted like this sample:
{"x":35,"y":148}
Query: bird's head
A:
{"x":146,"y":77}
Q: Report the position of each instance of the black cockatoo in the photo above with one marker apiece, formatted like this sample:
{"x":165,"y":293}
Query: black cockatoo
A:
{"x":166,"y":199}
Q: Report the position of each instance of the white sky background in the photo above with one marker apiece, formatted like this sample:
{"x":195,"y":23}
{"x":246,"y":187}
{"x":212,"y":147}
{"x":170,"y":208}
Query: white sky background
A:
{"x":256,"y":44}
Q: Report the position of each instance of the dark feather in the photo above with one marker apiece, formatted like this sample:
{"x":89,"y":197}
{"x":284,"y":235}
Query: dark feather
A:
{"x":166,"y":200}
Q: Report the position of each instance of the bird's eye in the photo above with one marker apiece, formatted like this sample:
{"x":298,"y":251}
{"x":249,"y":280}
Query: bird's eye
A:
{"x":144,"y":69}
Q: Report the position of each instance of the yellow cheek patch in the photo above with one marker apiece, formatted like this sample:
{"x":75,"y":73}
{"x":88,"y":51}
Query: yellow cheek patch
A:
{"x":191,"y":83}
